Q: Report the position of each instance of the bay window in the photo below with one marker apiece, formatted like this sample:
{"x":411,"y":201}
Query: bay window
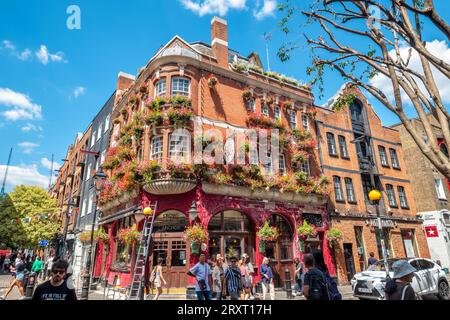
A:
{"x":179,"y":147}
{"x":180,"y":86}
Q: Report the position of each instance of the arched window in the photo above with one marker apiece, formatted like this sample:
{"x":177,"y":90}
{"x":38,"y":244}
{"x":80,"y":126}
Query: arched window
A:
{"x":356,"y":111}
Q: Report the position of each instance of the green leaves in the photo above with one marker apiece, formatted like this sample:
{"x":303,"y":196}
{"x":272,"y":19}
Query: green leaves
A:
{"x":343,"y":102}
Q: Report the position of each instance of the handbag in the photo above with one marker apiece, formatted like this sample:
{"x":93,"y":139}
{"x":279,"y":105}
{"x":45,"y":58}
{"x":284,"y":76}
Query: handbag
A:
{"x":202,"y":282}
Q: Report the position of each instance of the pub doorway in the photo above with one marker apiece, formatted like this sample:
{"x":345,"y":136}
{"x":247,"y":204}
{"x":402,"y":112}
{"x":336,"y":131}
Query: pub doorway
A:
{"x":280,"y":252}
{"x":169,"y":244}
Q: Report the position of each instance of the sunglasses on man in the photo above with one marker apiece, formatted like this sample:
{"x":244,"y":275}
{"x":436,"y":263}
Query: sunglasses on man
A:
{"x":59,"y":271}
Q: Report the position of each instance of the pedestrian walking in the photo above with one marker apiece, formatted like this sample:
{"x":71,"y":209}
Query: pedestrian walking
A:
{"x":298,"y":276}
{"x":233,"y":280}
{"x":399,"y":287}
{"x":218,"y":275}
{"x":37,"y":267}
{"x":267,"y":279}
{"x":6,"y":264}
{"x":48,"y":266}
{"x":56,"y":288}
{"x":202,"y":273}
{"x":372,"y":259}
{"x":250,"y":272}
{"x":157,"y":278}
{"x":314,"y":285}
{"x":19,"y":276}
{"x":319,"y":263}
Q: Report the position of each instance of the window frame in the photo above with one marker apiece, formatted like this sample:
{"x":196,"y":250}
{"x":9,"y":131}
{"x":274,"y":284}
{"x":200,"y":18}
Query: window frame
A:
{"x":282,"y":165}
{"x":394,"y":204}
{"x":341,"y":199}
{"x":343,"y":147}
{"x":401,"y":190}
{"x":265,"y":107}
{"x":174,"y":93}
{"x":152,"y":153}
{"x":188,"y":156}
{"x":440,"y":188}
{"x":293,"y":116}
{"x":307,"y":165}
{"x":393,"y":155}
{"x":349,"y":182}
{"x":332,"y":151}
{"x":163,"y":82}
{"x":305,"y":122}
{"x":382,"y":152}
{"x":277,"y":112}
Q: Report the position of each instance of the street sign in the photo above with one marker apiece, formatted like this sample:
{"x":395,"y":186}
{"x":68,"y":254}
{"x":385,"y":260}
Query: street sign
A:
{"x":43,"y":243}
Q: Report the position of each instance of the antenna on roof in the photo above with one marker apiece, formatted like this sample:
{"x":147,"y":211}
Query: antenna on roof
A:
{"x":267,"y":38}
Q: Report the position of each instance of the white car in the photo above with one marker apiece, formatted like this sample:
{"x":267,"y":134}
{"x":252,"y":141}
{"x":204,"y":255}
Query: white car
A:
{"x":430,"y":279}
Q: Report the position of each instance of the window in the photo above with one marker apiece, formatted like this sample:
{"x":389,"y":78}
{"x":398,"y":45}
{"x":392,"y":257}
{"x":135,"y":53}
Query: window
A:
{"x":338,"y":188}
{"x":343,"y":147}
{"x":107,"y":122}
{"x":391,"y":195}
{"x":156,"y":152}
{"x":425,"y":264}
{"x":394,"y":159}
{"x":91,"y":201}
{"x":402,"y":197}
{"x":383,"y":157}
{"x":99,"y":132}
{"x":293,"y":119}
{"x":103,"y":156}
{"x":250,"y":105}
{"x":305,"y":122}
{"x":282,"y":165}
{"x":83,"y":210}
{"x":277,"y":113}
{"x":444,"y":149}
{"x":179,"y":148}
{"x":93,"y":139}
{"x":331,"y":144}
{"x":367,"y":186}
{"x":88,"y":172}
{"x":305,"y":167}
{"x":180,"y":86}
{"x":268,"y":168}
{"x":160,"y":88}
{"x":350,"y":190}
{"x":439,"y":188}
{"x":265,"y":109}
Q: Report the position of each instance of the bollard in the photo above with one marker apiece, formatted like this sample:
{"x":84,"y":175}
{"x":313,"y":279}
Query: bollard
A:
{"x":288,"y":285}
{"x":30,"y":285}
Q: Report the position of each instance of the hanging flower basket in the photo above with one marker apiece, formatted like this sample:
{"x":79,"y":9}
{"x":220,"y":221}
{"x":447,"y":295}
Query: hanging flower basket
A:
{"x":195,"y":247}
{"x":301,"y":244}
{"x":212,"y":82}
{"x":262,"y":246}
{"x":268,"y":233}
{"x":196,"y":235}
{"x":129,"y":235}
{"x":306,"y":230}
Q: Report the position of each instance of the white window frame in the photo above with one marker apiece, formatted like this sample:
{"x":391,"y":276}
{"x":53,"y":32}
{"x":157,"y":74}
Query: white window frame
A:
{"x":265,"y":109}
{"x":341,"y":198}
{"x":158,"y":155}
{"x":282,"y":165}
{"x":88,"y":171}
{"x":107,"y":123}
{"x":177,"y":153}
{"x":93,"y":138}
{"x":90,"y":204}
{"x":83,"y":210}
{"x":440,"y":189}
{"x":305,"y":122}
{"x":99,"y":131}
{"x":277,"y":112}
{"x":293,"y":119}
{"x":103,"y":156}
{"x":305,"y":167}
{"x":180,"y":87}
{"x":160,"y":87}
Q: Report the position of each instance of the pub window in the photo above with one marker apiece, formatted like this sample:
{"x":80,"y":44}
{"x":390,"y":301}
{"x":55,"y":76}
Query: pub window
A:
{"x":394,"y":159}
{"x":343,"y":147}
{"x":350,"y":190}
{"x":265,"y":109}
{"x":179,"y":147}
{"x":391,"y":195}
{"x":124,"y":251}
{"x":293,"y":119}
{"x":305,"y":167}
{"x":305,"y":122}
{"x":277,"y":113}
{"x":338,"y":188}
{"x":402,"y":197}
{"x":156,"y":152}
{"x":180,"y":86}
{"x":331,"y":144}
{"x":383,"y":157}
{"x":439,"y":189}
{"x":282,"y":164}
{"x":160,"y":88}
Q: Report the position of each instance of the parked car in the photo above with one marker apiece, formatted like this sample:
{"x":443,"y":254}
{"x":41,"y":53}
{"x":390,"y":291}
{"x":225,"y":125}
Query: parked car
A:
{"x":430,"y":279}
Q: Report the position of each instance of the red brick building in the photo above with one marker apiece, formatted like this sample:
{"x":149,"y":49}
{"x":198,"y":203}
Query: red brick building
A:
{"x":353,"y":147}
{"x":197,"y":85}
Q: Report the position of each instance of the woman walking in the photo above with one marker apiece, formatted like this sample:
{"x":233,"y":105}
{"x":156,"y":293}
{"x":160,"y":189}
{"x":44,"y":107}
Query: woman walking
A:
{"x":19,"y":271}
{"x":267,"y":279}
{"x":158,"y":278}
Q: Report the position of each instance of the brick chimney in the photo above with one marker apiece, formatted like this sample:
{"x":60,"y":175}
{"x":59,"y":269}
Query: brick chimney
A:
{"x":124,"y":81}
{"x":219,"y":40}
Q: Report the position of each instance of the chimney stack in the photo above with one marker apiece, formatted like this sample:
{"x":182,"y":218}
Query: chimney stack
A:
{"x":219,"y":40}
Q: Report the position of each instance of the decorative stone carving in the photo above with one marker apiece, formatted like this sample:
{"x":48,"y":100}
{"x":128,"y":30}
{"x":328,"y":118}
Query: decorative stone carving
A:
{"x":170,"y":186}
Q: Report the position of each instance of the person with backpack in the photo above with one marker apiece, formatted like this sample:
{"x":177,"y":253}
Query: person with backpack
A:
{"x":202,"y":273}
{"x":314,"y":285}
{"x":399,"y":287}
{"x":319,"y":263}
{"x":233,"y":280}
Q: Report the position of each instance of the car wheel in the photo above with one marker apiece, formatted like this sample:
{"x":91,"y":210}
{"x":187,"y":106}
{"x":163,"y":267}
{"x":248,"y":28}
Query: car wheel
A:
{"x":443,"y":290}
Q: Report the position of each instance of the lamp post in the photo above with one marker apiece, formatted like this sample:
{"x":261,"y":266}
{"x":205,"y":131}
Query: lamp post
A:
{"x":100,"y":175}
{"x":375,"y":196}
{"x":70,"y":206}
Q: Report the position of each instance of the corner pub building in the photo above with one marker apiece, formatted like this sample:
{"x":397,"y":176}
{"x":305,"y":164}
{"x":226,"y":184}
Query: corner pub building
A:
{"x":220,"y":89}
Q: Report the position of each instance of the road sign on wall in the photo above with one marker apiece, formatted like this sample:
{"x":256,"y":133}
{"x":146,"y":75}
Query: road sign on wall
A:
{"x":43,"y":243}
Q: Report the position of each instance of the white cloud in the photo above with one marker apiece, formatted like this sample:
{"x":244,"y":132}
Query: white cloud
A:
{"x":9,"y":46}
{"x":24,"y":175}
{"x":78,"y":91}
{"x":436,"y":47}
{"x":266,"y":10}
{"x":21,"y":107}
{"x":45,"y":56}
{"x":46,"y":163}
{"x":30,"y":127}
{"x":28,"y":147}
{"x":220,"y":7}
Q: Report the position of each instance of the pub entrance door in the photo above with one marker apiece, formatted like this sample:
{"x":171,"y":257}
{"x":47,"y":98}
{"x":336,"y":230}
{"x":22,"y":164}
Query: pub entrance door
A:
{"x":169,"y":244}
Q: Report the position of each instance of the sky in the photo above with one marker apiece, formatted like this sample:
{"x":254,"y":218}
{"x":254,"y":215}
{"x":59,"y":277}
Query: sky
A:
{"x":54,"y":79}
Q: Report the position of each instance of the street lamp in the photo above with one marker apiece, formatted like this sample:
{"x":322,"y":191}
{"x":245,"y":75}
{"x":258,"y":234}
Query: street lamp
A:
{"x":375,"y":196}
{"x":70,"y":206}
{"x":100,"y":175}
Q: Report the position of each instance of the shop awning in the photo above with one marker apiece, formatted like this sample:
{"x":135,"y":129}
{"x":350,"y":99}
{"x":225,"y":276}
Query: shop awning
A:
{"x":119,"y":215}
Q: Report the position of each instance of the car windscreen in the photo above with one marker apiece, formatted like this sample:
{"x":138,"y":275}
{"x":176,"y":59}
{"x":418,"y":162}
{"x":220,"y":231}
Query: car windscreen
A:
{"x":379,"y":266}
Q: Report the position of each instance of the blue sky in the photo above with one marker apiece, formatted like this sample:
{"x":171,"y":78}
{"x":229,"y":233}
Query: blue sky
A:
{"x":54,"y":80}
